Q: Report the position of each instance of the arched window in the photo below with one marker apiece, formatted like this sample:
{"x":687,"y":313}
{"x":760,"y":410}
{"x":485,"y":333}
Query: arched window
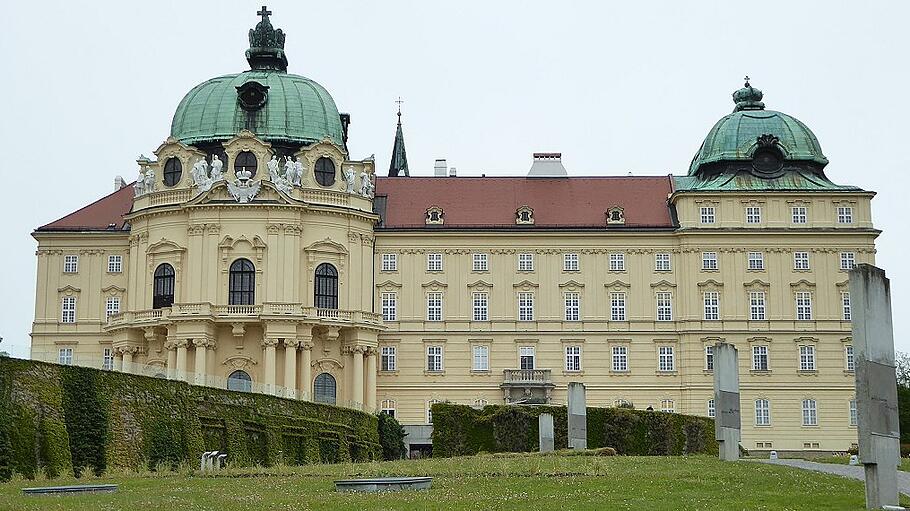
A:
{"x":326,"y":287}
{"x":325,"y":171}
{"x":163,"y":292}
{"x":324,"y":389}
{"x":245,"y":161}
{"x":242,"y":283}
{"x":240,"y":381}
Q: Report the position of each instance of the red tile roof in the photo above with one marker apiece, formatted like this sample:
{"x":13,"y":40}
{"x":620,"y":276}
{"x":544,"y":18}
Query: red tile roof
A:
{"x":98,"y":215}
{"x":477,"y":202}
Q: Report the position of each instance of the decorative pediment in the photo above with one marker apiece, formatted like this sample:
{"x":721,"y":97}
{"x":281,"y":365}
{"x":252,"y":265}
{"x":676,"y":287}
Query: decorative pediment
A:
{"x":68,"y":290}
{"x":480,"y":284}
{"x":327,"y":246}
{"x":246,"y":140}
{"x":845,"y":285}
{"x":164,"y":246}
{"x":242,"y":244}
{"x":525,"y":285}
{"x":618,"y":285}
{"x":434,"y":285}
{"x":802,"y":283}
{"x":710,"y":283}
{"x":663,"y":284}
{"x":171,"y":146}
{"x":388,"y":285}
{"x":327,"y":365}
{"x":325,"y":148}
{"x":241,"y":362}
{"x":572,"y":285}
{"x":756,"y":284}
{"x":113,"y":290}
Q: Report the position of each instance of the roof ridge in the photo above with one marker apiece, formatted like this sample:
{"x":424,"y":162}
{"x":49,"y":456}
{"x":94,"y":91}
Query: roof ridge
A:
{"x":83,"y":208}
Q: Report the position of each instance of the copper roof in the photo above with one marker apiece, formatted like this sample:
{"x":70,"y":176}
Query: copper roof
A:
{"x":97,"y":216}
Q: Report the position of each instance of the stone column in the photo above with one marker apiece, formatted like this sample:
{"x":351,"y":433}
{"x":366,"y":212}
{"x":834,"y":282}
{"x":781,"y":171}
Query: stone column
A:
{"x":578,"y":416}
{"x":306,"y":371}
{"x":171,"y":347}
{"x":545,"y":432}
{"x":357,"y":376}
{"x":127,"y":354}
{"x":201,"y":356}
{"x":726,"y":401}
{"x":118,"y":360}
{"x":268,"y":346}
{"x":181,"y":359}
{"x":290,"y":368}
{"x":876,"y":385}
{"x":370,"y":384}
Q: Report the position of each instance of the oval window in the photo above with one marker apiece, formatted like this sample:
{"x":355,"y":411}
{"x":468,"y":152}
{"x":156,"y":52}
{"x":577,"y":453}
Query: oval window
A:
{"x":325,"y":171}
{"x":766,"y":161}
{"x":245,"y":161}
{"x":172,"y":171}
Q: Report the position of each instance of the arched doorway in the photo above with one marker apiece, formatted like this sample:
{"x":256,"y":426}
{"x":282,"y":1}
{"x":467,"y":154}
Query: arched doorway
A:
{"x":324,"y":389}
{"x":240,"y":381}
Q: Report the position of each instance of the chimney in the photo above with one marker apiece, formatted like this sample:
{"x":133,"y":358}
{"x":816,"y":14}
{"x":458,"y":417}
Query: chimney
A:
{"x":439,"y":168}
{"x":452,"y":172}
{"x":119,"y":183}
{"x":547,"y":165}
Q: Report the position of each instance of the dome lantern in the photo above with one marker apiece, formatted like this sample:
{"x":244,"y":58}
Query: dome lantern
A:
{"x":266,"y":45}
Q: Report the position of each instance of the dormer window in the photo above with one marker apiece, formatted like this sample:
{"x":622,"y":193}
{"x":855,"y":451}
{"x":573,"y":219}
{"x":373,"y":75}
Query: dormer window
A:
{"x":435,"y":215}
{"x":172,"y":171}
{"x":524,"y":216}
{"x":615,"y":215}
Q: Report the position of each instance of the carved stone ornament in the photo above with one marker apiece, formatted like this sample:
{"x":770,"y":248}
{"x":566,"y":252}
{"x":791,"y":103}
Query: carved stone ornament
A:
{"x":767,"y":140}
{"x":145,"y":183}
{"x":243,"y":189}
{"x":348,"y":176}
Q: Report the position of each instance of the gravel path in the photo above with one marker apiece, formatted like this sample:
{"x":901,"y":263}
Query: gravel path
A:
{"x":853,"y":472}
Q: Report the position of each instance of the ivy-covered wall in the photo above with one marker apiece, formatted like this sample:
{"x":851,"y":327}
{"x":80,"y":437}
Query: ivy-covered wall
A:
{"x":463,"y":430}
{"x":56,"y":419}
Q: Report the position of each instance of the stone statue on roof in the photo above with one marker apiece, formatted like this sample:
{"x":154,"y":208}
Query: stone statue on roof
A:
{"x":349,"y":178}
{"x":217,"y":173}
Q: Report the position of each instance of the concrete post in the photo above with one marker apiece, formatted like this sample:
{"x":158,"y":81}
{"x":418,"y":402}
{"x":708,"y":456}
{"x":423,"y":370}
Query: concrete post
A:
{"x":290,"y":368}
{"x":578,"y":416}
{"x":546,"y":435}
{"x":306,"y":370}
{"x":726,"y":401}
{"x":876,"y":385}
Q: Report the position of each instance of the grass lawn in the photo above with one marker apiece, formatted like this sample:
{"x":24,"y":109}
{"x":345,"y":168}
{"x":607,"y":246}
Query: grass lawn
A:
{"x":477,"y":483}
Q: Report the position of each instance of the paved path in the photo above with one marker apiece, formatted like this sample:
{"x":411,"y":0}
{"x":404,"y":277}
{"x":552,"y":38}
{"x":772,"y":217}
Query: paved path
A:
{"x":853,"y":472}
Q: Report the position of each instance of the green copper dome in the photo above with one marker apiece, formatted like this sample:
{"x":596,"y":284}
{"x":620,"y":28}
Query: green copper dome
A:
{"x":737,"y":136}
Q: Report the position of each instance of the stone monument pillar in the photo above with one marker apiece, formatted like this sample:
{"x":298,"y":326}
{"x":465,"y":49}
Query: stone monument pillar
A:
{"x":876,"y":385}
{"x":545,"y":427}
{"x":578,"y":417}
{"x":726,"y":401}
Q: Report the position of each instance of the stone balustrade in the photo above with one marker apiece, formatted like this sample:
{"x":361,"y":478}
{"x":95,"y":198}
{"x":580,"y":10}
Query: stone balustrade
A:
{"x":526,"y":376}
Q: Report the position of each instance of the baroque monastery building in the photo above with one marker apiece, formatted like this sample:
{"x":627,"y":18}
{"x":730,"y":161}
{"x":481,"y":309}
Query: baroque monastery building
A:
{"x":254,"y":253}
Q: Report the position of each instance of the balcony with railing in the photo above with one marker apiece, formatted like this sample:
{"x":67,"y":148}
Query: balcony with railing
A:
{"x":526,"y":385}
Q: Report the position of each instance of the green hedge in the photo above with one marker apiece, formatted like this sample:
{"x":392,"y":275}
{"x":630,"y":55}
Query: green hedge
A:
{"x":56,"y":419}
{"x":391,"y":438}
{"x":463,"y":430}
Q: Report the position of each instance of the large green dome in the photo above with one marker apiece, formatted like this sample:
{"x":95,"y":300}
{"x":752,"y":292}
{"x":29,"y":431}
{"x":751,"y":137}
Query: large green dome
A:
{"x":736,"y":136}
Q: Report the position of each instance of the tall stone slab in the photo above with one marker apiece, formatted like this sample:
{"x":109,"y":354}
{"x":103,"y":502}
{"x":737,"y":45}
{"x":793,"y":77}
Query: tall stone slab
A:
{"x":578,"y":417}
{"x":876,"y":385}
{"x":546,"y":435}
{"x":727,"y":424}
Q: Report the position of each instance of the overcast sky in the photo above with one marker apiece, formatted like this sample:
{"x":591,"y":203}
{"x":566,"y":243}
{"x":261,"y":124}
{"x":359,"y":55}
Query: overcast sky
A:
{"x":617,"y":87}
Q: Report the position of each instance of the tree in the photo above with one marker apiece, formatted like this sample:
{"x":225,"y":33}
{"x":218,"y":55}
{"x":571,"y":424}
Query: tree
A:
{"x":902,"y":368}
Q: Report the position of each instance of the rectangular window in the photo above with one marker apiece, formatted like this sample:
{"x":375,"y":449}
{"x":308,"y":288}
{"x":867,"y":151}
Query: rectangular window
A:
{"x":430,"y":404}
{"x":525,"y":262}
{"x":434,"y":261}
{"x":800,"y":260}
{"x":70,"y":264}
{"x":803,"y":305}
{"x":756,"y":305}
{"x":107,"y":359}
{"x":844,"y":215}
{"x":759,"y":358}
{"x":711,"y":409}
{"x":112,"y":306}
{"x":762,"y":412}
{"x":65,"y":356}
{"x":434,"y":306}
{"x":617,"y":306}
{"x":620,"y":358}
{"x":709,"y":358}
{"x":661,"y":261}
{"x":853,"y":412}
{"x":434,"y":358}
{"x":526,"y":359}
{"x":387,"y":407}
{"x":573,"y":306}
{"x":753,"y":214}
{"x":481,"y":356}
{"x":68,"y":310}
{"x":709,"y":260}
{"x":389,"y":306}
{"x":847,"y":260}
{"x":800,"y":215}
{"x":480,"y":306}
{"x":480,"y":262}
{"x":810,"y":413}
{"x":707,"y":214}
{"x":666,"y":405}
{"x":664,"y":306}
{"x":525,"y":306}
{"x":573,"y":358}
{"x":665,"y":359}
{"x":389,"y":262}
{"x":845,"y":305}
{"x":756,"y":261}
{"x":806,"y":358}
{"x":712,"y":305}
{"x":849,"y":359}
{"x":389,"y":358}
{"x":618,"y":262}
{"x":570,"y":262}
{"x":114,"y":263}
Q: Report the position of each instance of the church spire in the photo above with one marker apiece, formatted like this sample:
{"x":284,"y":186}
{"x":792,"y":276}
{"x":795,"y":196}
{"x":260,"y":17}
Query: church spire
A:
{"x":399,"y":165}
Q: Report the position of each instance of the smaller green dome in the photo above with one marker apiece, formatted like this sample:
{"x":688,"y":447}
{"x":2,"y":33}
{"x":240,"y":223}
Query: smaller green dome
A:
{"x":735,"y":137}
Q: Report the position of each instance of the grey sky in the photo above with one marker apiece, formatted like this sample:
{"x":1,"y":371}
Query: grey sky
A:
{"x":616,"y":87}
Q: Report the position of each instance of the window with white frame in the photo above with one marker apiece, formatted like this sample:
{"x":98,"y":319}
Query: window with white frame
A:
{"x":526,"y":358}
{"x":114,"y":263}
{"x":712,"y":411}
{"x":666,"y":405}
{"x":846,"y":311}
{"x":620,"y":358}
{"x":434,"y":261}
{"x":65,"y":356}
{"x":480,"y":305}
{"x":800,"y":214}
{"x":810,"y":412}
{"x":617,"y":261}
{"x":389,"y":262}
{"x":480,"y":262}
{"x":617,"y":306}
{"x":707,"y":214}
{"x":709,"y":260}
{"x":712,"y":305}
{"x":430,"y":404}
{"x":525,"y":262}
{"x":434,"y":306}
{"x":753,"y":214}
{"x":756,"y":305}
{"x":664,"y":306}
{"x":762,"y":412}
{"x":759,"y":358}
{"x":112,"y":306}
{"x":620,"y":403}
{"x":800,"y":260}
{"x":68,"y":309}
{"x":844,"y":215}
{"x":849,"y":359}
{"x":107,"y":359}
{"x":573,"y":306}
{"x":434,"y":358}
{"x":70,"y":263}
{"x":709,"y":358}
{"x":853,"y":414}
{"x":389,"y":360}
{"x":803,"y":305}
{"x":570,"y":262}
{"x":847,"y":260}
{"x":387,"y":406}
{"x":480,"y":403}
{"x":666,"y":361}
{"x":806,"y":357}
{"x":662,"y":261}
{"x":481,"y":358}
{"x":525,"y":306}
{"x":389,"y":306}
{"x":573,"y":358}
{"x":756,"y":261}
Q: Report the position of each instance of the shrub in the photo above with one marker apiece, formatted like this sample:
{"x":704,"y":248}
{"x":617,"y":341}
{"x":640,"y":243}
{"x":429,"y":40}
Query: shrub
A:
{"x":85,"y":419}
{"x":391,"y":437}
